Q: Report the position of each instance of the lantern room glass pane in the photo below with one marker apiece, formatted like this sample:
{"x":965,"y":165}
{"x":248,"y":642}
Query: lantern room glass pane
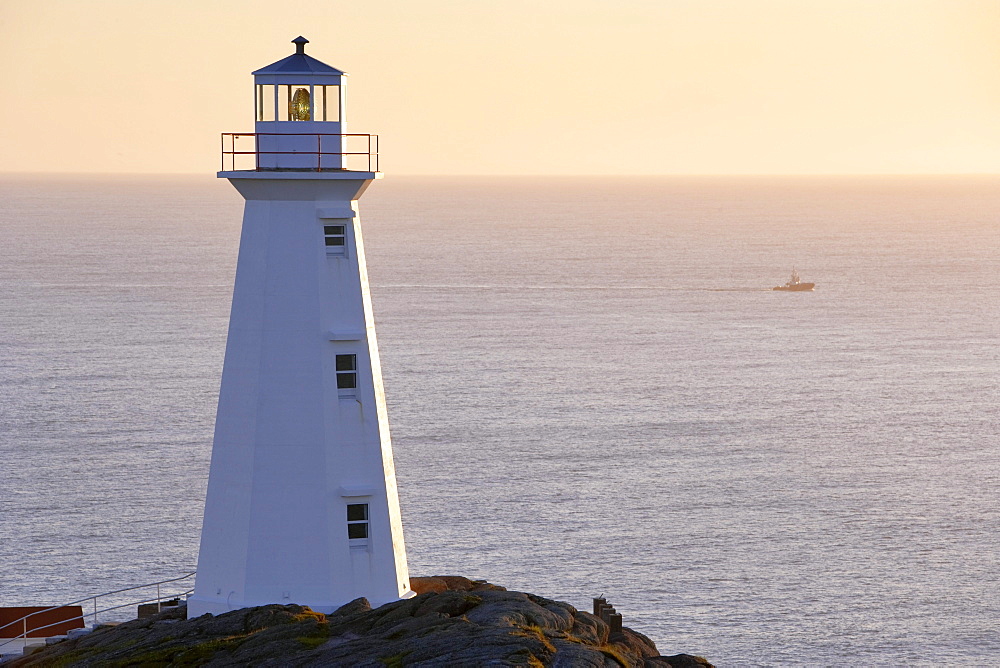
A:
{"x":330,"y":98}
{"x":294,"y":102}
{"x":319,"y":105}
{"x":326,"y":103}
{"x":265,"y":102}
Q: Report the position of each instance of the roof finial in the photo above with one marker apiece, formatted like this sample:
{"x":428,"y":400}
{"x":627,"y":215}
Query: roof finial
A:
{"x":300,"y":44}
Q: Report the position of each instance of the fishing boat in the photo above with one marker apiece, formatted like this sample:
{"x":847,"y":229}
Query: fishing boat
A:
{"x":795,"y":284}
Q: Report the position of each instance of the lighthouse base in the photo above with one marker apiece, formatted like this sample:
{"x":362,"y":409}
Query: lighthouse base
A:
{"x":200,"y":605}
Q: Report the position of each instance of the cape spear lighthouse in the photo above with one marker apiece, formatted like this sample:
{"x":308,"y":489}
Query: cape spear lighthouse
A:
{"x":301,"y":505}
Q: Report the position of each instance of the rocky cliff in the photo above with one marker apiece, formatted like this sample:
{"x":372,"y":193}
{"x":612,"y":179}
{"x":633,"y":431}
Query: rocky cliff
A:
{"x":453,"y":622}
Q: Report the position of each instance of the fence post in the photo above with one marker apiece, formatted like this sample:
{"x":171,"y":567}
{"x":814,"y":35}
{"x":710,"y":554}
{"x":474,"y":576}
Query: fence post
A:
{"x":158,"y":597}
{"x":616,"y":623}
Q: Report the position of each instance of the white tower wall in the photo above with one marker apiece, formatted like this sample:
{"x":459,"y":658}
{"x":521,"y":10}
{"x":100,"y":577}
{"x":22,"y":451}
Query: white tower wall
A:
{"x":291,"y":449}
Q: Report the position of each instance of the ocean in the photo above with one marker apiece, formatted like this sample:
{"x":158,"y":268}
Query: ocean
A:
{"x":591,"y":389}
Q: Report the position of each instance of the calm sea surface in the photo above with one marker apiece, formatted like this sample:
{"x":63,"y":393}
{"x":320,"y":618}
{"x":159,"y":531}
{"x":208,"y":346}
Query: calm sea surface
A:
{"x":591,"y":391}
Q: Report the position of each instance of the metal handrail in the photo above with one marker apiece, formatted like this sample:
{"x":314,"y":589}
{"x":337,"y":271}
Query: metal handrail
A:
{"x":372,"y":151}
{"x":83,"y":617}
{"x":159,"y":598}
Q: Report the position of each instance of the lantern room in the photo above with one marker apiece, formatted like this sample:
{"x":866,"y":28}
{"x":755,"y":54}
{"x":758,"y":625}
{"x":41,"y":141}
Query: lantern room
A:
{"x":299,"y":113}
{"x":298,"y":89}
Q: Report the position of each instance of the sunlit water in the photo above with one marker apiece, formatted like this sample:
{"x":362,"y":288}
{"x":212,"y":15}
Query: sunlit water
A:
{"x":591,"y":391}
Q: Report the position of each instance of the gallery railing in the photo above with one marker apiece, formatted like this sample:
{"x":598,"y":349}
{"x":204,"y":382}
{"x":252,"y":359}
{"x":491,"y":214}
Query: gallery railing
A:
{"x":300,"y":151}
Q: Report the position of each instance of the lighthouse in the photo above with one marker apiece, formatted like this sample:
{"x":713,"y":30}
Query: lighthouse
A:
{"x":301,"y":504}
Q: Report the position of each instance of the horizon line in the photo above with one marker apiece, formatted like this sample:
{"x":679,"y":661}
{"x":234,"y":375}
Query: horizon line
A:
{"x":513,"y":175}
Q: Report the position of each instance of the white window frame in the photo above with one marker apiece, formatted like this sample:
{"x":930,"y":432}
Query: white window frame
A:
{"x":346,"y":391}
{"x":361,"y":542}
{"x":338,"y":250}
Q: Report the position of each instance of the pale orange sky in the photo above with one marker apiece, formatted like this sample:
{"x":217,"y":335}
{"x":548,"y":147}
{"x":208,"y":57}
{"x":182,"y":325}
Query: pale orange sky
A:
{"x":518,"y":86}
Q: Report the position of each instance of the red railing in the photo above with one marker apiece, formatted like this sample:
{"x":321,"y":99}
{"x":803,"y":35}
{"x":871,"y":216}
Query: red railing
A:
{"x":364,"y":158}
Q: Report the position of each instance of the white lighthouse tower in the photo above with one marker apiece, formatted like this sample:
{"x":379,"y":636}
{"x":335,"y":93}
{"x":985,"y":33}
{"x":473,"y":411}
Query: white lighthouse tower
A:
{"x":302,"y":504}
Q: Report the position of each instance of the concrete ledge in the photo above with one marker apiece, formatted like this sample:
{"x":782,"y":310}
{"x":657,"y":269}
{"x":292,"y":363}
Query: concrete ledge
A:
{"x":308,"y":175}
{"x":347,"y":335}
{"x":359,"y":491}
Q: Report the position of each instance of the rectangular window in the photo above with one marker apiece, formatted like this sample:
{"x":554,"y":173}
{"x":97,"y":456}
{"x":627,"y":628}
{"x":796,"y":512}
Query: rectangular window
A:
{"x":335,"y":239}
{"x":357,"y":521}
{"x":347,"y":372}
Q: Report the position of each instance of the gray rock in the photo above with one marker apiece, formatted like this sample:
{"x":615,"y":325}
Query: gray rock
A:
{"x":472,"y":624}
